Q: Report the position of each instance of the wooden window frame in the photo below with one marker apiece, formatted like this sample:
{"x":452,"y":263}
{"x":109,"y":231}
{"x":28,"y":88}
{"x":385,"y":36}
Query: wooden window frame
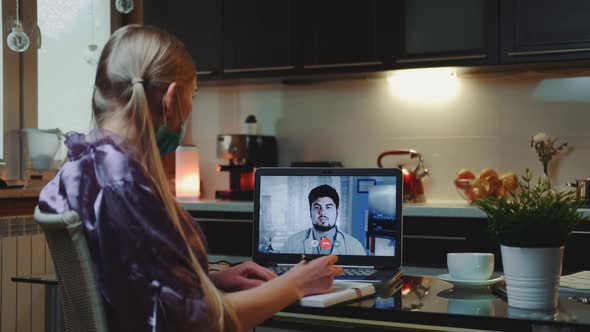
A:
{"x":20,"y":109}
{"x":11,"y":71}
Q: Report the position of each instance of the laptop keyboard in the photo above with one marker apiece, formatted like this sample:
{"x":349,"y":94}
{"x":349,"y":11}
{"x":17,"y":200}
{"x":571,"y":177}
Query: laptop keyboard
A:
{"x":347,"y":271}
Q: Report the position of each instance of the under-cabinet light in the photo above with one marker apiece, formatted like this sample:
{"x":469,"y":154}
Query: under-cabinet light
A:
{"x":424,"y":85}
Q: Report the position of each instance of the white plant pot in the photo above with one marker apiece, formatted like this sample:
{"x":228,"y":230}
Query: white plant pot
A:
{"x":532,"y":276}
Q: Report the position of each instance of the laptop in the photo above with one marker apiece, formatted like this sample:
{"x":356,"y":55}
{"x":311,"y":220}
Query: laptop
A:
{"x":305,"y":213}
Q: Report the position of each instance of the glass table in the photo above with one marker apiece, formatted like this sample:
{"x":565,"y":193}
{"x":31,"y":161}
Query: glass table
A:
{"x":428,"y":304}
{"x":423,"y":303}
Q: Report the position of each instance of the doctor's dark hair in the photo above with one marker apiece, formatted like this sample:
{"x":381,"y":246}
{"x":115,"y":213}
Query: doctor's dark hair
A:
{"x":135,"y":69}
{"x":323,"y":191}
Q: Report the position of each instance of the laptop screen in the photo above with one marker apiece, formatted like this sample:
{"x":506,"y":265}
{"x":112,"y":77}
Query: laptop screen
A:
{"x":353,"y":213}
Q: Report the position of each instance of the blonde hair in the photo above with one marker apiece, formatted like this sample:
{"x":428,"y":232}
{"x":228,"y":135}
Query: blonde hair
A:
{"x":136,"y":63}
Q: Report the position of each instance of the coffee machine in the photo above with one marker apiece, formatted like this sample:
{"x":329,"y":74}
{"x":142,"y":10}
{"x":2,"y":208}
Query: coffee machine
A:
{"x":245,"y":153}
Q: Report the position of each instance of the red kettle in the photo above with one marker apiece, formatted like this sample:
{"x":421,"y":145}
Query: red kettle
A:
{"x":413,"y":188}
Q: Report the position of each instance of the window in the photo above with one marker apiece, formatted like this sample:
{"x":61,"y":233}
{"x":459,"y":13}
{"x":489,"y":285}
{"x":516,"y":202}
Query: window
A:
{"x":66,"y":66}
{"x":50,"y":87}
{"x":9,"y":97}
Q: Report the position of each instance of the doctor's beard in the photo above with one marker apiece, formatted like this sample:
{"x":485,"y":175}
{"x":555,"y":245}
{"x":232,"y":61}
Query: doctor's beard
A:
{"x":323,"y":229}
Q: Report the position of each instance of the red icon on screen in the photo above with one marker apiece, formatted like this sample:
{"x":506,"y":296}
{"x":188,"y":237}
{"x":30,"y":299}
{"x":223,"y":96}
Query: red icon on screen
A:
{"x":325,"y":243}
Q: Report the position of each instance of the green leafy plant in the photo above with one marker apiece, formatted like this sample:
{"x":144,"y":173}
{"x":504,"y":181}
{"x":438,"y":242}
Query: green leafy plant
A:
{"x":533,"y":215}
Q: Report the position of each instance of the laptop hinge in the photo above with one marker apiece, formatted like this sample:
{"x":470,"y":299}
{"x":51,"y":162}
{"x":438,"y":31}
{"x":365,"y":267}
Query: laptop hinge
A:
{"x":343,"y":266}
{"x":356,"y":266}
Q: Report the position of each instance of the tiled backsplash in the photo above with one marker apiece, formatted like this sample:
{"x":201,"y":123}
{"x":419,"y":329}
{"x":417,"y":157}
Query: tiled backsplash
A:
{"x":18,"y":226}
{"x":488,"y":124}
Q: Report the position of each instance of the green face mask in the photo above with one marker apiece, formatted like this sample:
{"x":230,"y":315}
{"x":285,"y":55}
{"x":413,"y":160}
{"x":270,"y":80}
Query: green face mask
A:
{"x":168,"y":139}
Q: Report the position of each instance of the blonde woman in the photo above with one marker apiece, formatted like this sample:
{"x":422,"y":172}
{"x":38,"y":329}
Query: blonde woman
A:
{"x":150,"y":258}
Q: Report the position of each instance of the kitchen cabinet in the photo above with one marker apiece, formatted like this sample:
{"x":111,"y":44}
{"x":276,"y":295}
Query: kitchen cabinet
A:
{"x":228,"y":233}
{"x":544,"y":30}
{"x":344,"y":34}
{"x":427,"y":240}
{"x":262,"y":38}
{"x":443,"y":33}
{"x":576,"y":256}
{"x":258,"y":37}
{"x":198,"y":24}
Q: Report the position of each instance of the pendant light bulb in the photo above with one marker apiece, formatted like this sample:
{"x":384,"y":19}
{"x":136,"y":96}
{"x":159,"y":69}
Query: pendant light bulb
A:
{"x":91,"y":54}
{"x":124,"y":6}
{"x":18,"y":40}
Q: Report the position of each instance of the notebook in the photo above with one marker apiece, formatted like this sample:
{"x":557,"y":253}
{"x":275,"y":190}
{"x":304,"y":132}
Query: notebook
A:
{"x":310,"y":212}
{"x":341,"y":291}
{"x":576,"y":283}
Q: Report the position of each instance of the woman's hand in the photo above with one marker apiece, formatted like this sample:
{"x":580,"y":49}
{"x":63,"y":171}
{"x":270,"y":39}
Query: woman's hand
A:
{"x":255,"y":305}
{"x":316,"y":276}
{"x":243,"y":276}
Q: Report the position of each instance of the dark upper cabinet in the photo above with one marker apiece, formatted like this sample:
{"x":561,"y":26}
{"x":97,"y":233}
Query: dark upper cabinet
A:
{"x":258,"y":36}
{"x":447,"y":32}
{"x":343,"y":33}
{"x":544,"y":30}
{"x":197,"y":23}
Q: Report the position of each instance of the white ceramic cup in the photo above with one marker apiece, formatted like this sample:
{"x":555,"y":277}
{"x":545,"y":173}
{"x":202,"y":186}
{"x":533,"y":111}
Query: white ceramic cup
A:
{"x":470,"y":265}
{"x":471,"y":307}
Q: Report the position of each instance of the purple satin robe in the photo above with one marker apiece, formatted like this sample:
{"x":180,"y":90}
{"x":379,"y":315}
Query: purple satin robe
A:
{"x":140,"y":259}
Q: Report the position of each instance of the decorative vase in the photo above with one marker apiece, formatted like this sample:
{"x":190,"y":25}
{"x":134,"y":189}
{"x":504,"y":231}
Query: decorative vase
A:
{"x":532,"y":276}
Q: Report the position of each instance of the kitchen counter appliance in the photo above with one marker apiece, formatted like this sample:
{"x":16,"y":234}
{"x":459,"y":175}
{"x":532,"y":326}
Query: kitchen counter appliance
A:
{"x":413,"y":187}
{"x":582,"y":190}
{"x":245,"y":153}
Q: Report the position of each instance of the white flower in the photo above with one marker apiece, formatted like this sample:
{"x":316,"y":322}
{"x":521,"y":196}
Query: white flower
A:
{"x":541,"y":137}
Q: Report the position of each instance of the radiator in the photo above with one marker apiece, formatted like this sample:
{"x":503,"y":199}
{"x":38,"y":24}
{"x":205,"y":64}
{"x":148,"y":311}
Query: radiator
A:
{"x":23,"y":251}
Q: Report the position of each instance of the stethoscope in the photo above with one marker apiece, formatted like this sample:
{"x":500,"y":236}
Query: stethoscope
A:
{"x":311,"y":234}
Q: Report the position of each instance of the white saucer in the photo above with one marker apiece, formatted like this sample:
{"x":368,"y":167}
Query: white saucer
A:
{"x":467,"y":294}
{"x":471,"y":283}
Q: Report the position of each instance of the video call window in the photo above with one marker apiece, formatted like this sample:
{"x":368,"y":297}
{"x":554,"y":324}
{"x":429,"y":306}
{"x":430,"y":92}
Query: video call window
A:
{"x":348,"y":215}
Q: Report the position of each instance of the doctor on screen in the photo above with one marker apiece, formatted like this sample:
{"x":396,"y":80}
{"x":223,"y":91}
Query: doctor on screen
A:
{"x":324,"y":237}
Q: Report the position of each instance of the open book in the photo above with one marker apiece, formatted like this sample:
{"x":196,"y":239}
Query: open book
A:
{"x":341,"y":291}
{"x":575,"y":283}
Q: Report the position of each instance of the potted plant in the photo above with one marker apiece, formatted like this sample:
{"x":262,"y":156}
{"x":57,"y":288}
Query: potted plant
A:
{"x":532,"y":225}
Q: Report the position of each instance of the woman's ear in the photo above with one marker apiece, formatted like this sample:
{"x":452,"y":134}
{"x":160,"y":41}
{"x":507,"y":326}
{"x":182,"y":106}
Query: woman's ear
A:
{"x":169,"y":98}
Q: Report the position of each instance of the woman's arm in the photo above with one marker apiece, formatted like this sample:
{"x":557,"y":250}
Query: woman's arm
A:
{"x":240,"y":277}
{"x":255,"y":305}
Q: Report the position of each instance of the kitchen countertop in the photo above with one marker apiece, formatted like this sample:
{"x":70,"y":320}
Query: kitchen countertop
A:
{"x":19,"y":193}
{"x":434,"y":208}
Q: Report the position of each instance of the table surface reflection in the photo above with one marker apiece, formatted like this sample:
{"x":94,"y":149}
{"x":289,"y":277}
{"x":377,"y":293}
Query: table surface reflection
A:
{"x":431,"y":301}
